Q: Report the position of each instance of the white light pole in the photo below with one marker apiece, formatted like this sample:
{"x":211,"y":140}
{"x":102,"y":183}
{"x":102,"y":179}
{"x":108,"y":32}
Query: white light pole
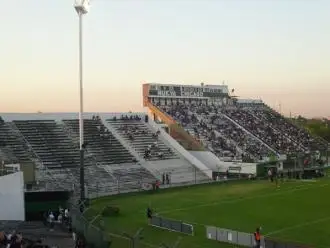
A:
{"x":82,"y":7}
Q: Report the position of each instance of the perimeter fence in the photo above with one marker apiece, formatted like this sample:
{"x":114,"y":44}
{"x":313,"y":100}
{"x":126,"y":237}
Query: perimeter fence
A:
{"x":247,"y":239}
{"x":91,"y":225}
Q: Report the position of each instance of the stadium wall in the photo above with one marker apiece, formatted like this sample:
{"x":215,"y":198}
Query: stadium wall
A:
{"x":183,"y":152}
{"x":12,"y":197}
{"x":175,"y":130}
{"x":215,"y":164}
{"x":209,"y":159}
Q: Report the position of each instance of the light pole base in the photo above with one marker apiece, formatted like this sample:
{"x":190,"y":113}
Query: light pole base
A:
{"x":82,"y":180}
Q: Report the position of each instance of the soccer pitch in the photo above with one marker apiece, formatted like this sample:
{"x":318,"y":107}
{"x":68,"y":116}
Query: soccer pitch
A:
{"x":297,"y":212}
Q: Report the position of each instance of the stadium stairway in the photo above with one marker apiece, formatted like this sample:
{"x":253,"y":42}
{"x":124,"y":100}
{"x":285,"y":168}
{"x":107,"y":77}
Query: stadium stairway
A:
{"x":180,"y":169}
{"x":185,"y":162}
{"x":140,"y":159}
{"x":143,"y":137}
{"x":114,"y":161}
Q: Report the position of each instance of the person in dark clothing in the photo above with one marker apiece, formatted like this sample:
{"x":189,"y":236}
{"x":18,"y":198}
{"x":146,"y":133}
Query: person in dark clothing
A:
{"x":80,"y":242}
{"x":149,"y":215}
{"x":167,"y":178}
{"x":163,"y":178}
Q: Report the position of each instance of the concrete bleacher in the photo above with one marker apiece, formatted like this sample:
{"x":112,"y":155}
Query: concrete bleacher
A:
{"x":268,"y":133}
{"x":293,"y":132}
{"x":249,"y":133}
{"x":12,"y":145}
{"x":50,"y":143}
{"x":113,"y":163}
{"x":100,"y":142}
{"x":139,"y":135}
{"x":98,"y":181}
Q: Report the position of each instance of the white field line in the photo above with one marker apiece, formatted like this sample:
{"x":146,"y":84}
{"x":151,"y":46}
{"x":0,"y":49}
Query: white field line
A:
{"x":293,"y":189}
{"x":309,"y":223}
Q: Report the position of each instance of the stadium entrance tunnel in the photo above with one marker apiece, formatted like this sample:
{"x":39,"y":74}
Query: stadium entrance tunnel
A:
{"x":37,"y":203}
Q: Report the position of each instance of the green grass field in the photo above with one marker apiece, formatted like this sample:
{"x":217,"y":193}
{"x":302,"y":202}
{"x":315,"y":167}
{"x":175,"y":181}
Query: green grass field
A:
{"x":297,"y":211}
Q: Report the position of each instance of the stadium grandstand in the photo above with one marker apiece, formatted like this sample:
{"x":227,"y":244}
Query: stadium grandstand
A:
{"x":190,"y":134}
{"x":245,"y":130}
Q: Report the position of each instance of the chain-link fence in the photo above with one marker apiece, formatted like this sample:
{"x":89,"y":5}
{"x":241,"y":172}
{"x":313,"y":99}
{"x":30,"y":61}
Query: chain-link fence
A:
{"x":90,"y":225}
{"x":82,"y":225}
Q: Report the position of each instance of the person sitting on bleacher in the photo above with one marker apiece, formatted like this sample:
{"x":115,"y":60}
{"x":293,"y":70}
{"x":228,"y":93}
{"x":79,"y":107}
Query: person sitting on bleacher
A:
{"x":160,"y":155}
{"x":147,"y":153}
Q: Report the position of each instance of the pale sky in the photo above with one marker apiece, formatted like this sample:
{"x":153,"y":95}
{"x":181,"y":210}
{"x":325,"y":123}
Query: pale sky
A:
{"x":276,"y":50}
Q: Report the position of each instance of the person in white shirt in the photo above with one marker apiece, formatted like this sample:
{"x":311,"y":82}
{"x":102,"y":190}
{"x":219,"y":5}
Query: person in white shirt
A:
{"x":60,"y":218}
{"x":270,"y":174}
{"x":51,"y":219}
{"x":66,"y":213}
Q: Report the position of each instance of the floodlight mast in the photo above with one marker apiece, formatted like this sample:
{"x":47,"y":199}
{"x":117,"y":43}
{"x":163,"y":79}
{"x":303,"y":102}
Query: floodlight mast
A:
{"x":82,"y":7}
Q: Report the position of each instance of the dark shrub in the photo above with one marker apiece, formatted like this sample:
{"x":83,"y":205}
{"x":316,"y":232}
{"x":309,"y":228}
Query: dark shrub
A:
{"x":110,"y":211}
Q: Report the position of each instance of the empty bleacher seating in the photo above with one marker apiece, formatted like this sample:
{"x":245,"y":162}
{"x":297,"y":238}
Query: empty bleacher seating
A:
{"x":100,"y":142}
{"x":50,"y":143}
{"x":12,"y":144}
{"x":138,"y":134}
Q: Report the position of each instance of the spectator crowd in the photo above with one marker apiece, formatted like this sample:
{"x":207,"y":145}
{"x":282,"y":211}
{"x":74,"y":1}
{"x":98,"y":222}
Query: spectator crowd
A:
{"x":245,"y":133}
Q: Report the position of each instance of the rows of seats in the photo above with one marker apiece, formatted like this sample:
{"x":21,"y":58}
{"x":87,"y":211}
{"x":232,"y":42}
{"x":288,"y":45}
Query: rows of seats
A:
{"x":97,"y":180}
{"x":219,"y":134}
{"x":292,"y":131}
{"x":251,"y":148}
{"x":270,"y":134}
{"x":100,"y":142}
{"x":142,"y":138}
{"x":57,"y":179}
{"x":256,"y":131}
{"x":12,"y":145}
{"x":50,"y":143}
